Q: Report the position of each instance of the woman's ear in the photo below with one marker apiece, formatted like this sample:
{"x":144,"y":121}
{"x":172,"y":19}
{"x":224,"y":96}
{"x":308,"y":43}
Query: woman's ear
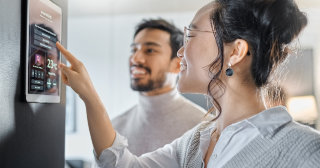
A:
{"x":175,"y":65}
{"x":240,"y":50}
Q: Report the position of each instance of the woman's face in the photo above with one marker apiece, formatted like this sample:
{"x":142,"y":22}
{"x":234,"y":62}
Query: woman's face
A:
{"x":198,"y":53}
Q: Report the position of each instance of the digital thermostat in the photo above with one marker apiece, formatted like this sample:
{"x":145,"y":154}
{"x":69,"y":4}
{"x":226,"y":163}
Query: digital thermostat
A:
{"x":44,"y":24}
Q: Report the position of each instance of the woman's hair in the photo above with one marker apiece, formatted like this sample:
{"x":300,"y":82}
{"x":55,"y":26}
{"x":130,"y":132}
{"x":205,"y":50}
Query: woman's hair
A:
{"x":266,"y":25}
{"x":274,"y":95}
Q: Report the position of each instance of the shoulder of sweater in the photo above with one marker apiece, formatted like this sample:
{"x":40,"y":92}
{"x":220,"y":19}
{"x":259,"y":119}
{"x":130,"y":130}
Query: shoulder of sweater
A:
{"x":299,"y":129}
{"x":123,"y":116}
{"x":305,"y":135}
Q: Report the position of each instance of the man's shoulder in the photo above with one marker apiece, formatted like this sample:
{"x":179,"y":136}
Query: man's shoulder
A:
{"x":124,"y":116}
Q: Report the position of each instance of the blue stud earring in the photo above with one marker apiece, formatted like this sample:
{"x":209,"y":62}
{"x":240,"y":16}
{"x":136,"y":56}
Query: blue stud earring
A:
{"x":229,"y":71}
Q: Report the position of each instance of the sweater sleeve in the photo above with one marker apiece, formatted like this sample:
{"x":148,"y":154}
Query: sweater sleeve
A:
{"x":118,"y":156}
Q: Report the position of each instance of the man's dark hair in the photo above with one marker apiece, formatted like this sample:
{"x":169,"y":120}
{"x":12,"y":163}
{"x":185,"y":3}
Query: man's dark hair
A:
{"x":176,"y":35}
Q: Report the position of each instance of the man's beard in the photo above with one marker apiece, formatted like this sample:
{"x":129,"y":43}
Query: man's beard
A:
{"x":150,"y":85}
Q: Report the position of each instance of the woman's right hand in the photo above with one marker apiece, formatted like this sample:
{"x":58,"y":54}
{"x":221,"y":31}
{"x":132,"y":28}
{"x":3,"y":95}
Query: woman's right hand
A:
{"x":75,"y":76}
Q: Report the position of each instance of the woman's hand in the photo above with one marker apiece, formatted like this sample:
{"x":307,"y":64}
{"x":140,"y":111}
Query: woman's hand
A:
{"x":75,"y":76}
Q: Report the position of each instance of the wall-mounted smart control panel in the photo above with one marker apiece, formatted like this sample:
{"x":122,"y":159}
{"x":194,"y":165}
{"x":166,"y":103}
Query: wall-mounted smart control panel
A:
{"x":44,"y":24}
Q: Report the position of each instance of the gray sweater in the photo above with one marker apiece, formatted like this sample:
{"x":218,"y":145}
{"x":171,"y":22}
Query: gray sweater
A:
{"x":293,"y":146}
{"x":157,"y":120}
{"x":288,"y":145}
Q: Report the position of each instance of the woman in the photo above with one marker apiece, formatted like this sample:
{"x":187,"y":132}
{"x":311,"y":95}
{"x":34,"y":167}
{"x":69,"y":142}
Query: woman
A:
{"x":230,"y":49}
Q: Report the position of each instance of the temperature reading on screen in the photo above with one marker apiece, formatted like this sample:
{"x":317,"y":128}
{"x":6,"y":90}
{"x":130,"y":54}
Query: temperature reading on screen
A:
{"x":51,"y":64}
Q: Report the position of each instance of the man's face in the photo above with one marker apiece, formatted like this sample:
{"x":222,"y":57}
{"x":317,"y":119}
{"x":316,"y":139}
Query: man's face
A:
{"x":150,"y":59}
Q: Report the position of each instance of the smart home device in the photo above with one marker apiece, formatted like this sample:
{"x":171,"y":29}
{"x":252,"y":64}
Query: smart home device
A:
{"x":44,"y":25}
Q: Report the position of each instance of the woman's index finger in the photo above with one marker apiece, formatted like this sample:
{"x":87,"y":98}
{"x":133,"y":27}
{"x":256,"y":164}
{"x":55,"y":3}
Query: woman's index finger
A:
{"x":73,"y":60}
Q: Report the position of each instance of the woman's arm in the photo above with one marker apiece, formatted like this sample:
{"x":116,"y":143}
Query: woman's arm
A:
{"x":77,"y":77}
{"x":110,"y":147}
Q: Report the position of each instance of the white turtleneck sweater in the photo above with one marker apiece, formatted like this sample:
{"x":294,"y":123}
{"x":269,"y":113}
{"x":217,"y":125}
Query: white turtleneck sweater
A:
{"x":157,"y":120}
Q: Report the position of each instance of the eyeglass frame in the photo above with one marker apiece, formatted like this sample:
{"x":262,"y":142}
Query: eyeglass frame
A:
{"x":186,"y":37}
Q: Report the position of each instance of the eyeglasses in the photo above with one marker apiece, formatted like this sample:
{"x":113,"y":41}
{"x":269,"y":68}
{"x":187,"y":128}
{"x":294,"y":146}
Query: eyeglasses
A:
{"x":187,"y":35}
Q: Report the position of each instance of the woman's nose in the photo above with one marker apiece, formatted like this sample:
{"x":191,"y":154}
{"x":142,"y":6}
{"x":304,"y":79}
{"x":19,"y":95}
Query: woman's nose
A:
{"x":180,"y":52}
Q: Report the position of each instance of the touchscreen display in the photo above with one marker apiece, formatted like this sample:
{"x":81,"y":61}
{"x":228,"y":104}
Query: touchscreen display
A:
{"x":44,"y":24}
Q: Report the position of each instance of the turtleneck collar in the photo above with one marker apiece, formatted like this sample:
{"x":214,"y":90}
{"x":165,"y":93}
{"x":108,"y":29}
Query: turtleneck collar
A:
{"x":159,"y":103}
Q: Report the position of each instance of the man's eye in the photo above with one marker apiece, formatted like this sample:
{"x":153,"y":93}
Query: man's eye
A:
{"x":133,"y":50}
{"x":150,"y":50}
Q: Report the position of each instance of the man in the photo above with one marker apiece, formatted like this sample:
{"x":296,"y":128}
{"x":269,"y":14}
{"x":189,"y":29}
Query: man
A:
{"x":161,"y":114}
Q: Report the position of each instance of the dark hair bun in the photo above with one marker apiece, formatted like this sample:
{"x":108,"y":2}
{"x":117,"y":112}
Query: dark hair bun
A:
{"x":282,"y":18}
{"x":267,"y":25}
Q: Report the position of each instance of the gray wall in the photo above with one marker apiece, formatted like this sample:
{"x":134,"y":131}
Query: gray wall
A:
{"x":299,"y":74}
{"x":31,"y":134}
